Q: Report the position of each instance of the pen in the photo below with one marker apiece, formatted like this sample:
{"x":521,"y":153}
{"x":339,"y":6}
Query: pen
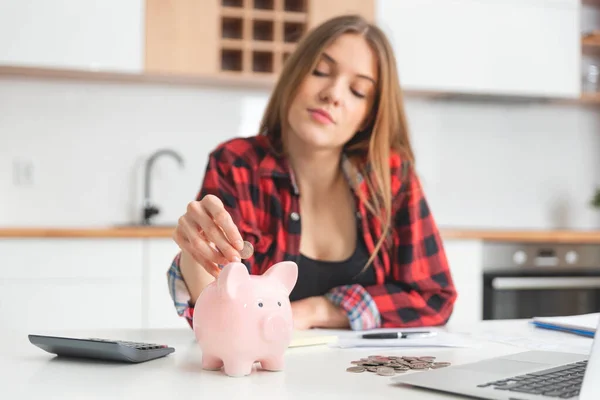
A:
{"x":397,"y":335}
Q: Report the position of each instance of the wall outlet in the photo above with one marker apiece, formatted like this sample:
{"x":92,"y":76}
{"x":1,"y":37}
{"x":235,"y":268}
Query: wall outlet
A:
{"x":23,"y":172}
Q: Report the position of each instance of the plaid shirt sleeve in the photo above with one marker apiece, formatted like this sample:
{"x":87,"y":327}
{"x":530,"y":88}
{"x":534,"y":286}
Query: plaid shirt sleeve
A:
{"x":419,"y":290}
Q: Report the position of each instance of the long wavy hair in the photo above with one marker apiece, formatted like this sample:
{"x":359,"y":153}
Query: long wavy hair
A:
{"x":369,"y":149}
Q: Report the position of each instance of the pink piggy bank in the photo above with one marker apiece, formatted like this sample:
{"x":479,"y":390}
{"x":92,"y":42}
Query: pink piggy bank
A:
{"x":240,"y":319}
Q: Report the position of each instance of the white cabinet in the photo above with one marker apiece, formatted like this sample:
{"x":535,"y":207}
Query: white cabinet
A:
{"x":465,"y":257}
{"x":503,"y":47}
{"x":105,"y":35}
{"x":70,"y":284}
{"x":160,"y":311}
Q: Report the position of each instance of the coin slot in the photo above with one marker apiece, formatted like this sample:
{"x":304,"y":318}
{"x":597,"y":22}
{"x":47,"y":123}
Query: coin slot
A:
{"x":295,"y":5}
{"x":232,"y":28}
{"x":263,"y":30}
{"x":292,"y":31}
{"x":231,"y":60}
{"x":233,"y":3}
{"x":264,"y":4}
{"x":262,"y":61}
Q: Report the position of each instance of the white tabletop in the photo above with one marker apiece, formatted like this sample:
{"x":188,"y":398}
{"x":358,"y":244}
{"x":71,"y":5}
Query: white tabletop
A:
{"x":28,"y":372}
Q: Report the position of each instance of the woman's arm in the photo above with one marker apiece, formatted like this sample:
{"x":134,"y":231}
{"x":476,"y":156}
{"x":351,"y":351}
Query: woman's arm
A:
{"x":186,"y":277}
{"x":419,"y":290}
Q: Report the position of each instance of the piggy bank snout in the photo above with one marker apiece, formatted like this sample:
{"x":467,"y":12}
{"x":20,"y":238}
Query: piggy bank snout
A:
{"x":276,"y":327}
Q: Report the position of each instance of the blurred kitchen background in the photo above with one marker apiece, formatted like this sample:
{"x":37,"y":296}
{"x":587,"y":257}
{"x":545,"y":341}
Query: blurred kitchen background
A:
{"x":108,"y":110}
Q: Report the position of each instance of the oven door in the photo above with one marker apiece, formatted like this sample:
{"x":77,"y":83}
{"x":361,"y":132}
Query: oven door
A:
{"x":522,"y":294}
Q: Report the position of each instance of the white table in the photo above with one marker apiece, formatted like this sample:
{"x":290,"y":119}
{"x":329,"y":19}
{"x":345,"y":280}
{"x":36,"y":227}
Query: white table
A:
{"x":27,"y":372}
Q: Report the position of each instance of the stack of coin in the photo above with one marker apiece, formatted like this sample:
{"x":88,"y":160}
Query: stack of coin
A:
{"x":391,"y":365}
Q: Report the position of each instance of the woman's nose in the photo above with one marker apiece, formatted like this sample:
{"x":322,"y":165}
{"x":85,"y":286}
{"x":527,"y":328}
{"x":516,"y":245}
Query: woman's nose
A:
{"x":331,"y":93}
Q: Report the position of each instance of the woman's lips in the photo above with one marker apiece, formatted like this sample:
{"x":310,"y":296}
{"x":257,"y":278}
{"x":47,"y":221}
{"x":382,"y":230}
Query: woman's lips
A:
{"x":320,"y":115}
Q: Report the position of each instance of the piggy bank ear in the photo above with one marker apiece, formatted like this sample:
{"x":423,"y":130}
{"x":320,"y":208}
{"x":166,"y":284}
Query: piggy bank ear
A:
{"x":232,"y":277}
{"x":285,"y":272}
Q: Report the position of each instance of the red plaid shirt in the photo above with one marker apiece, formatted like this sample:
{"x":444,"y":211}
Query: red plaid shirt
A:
{"x":414,"y":284}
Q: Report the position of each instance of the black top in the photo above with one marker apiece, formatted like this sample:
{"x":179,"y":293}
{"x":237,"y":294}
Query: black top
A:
{"x":316,"y":277}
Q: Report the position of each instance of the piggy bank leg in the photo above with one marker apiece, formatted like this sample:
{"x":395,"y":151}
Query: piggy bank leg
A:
{"x":238,"y":367}
{"x":211,"y":362}
{"x":273,"y":363}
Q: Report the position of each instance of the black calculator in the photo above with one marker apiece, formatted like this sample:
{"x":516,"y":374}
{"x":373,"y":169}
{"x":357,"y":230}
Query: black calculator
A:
{"x":101,"y":349}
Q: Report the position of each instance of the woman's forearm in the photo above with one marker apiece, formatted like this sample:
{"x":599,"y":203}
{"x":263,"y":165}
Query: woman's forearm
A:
{"x":195,"y":276}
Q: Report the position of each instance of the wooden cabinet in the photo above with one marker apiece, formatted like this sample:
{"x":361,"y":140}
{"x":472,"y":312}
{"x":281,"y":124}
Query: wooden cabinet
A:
{"x":233,"y":37}
{"x":496,"y":47}
{"x":84,"y":35}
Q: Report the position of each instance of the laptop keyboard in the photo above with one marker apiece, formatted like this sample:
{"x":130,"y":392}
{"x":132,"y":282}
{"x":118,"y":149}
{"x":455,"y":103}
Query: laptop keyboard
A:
{"x":562,"y":382}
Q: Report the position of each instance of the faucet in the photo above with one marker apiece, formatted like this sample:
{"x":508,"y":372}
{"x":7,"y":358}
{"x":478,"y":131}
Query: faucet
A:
{"x":150,"y":209}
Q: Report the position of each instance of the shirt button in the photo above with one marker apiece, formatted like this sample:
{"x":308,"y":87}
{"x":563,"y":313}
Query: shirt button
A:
{"x":294,"y":215}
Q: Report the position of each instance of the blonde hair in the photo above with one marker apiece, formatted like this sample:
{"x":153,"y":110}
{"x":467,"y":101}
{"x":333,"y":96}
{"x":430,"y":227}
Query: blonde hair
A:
{"x":369,"y":149}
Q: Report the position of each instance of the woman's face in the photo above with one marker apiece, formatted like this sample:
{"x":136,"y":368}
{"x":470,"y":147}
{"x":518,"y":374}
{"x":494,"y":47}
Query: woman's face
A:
{"x":334,"y":100}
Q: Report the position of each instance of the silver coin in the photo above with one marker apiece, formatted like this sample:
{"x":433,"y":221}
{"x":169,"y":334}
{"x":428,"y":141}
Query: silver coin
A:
{"x":385,"y":371}
{"x":372,"y":369}
{"x":440,"y":365}
{"x":247,"y":251}
{"x":427,"y":358}
{"x":356,"y":369}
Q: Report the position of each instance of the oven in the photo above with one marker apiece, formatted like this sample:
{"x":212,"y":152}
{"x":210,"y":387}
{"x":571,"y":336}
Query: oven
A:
{"x":525,"y":280}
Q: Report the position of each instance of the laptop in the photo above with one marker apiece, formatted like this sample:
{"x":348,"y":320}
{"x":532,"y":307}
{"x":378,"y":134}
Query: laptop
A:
{"x":529,"y":375}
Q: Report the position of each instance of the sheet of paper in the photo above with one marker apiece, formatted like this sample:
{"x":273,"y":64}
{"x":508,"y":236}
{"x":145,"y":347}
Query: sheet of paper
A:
{"x":542,"y":341}
{"x":441,"y":339}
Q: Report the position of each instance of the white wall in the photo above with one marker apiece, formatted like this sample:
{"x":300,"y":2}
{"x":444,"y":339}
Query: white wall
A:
{"x":483,"y":164}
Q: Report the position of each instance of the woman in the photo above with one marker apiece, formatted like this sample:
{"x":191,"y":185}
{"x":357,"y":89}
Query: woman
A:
{"x":329,"y":182}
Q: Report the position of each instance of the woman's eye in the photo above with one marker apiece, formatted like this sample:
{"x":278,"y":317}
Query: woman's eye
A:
{"x":319,"y":73}
{"x":358,"y":94}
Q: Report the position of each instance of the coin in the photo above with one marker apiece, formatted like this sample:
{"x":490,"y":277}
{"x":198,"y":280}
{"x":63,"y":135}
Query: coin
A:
{"x":385,"y":371}
{"x":355,"y":369}
{"x":247,"y":251}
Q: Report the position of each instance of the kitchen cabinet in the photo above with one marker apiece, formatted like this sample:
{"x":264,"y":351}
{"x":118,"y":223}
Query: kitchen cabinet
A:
{"x":498,"y":47}
{"x":86,"y":35}
{"x":465,"y":258}
{"x":233,"y":38}
{"x":66,"y":283}
{"x":159,"y":311}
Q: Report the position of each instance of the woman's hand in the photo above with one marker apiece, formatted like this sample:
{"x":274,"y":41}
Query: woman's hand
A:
{"x":208,"y":234}
{"x":318,"y":312}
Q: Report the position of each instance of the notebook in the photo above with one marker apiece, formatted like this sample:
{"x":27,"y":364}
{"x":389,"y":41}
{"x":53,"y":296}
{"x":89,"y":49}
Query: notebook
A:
{"x":311,"y":338}
{"x":583,"y":324}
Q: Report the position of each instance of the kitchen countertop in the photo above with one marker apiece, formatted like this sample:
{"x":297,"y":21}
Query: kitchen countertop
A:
{"x":510,"y":235}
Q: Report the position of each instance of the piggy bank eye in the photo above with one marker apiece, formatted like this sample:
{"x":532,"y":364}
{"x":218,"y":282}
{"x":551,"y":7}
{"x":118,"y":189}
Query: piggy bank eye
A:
{"x":279,"y":303}
{"x":260,"y":304}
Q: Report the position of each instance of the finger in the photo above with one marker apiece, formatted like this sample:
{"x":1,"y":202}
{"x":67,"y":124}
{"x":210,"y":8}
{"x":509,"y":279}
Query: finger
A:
{"x":210,"y":267}
{"x":216,"y":235}
{"x":215,"y":208}
{"x":198,"y":246}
